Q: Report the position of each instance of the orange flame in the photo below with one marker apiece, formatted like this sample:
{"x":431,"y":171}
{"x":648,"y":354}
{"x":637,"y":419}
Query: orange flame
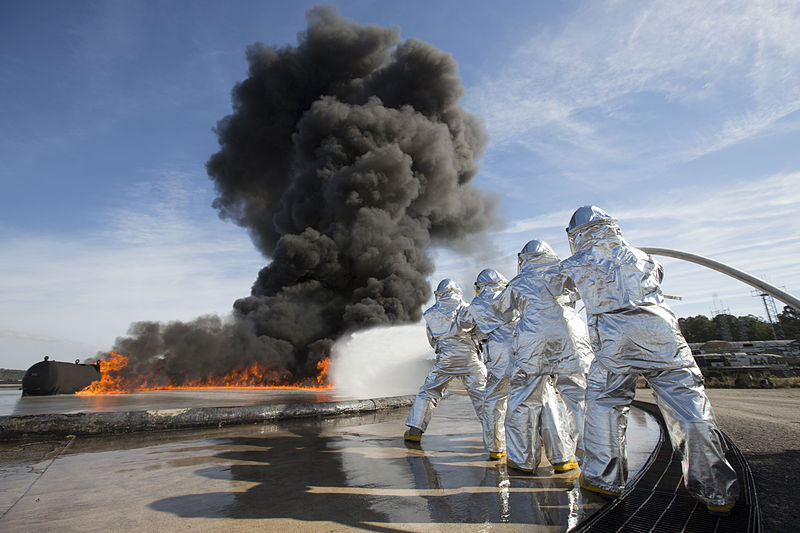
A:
{"x":322,"y":366}
{"x":110,"y":380}
{"x":250,"y":376}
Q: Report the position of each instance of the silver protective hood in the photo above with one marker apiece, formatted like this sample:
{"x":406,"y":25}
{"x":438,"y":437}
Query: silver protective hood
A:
{"x":586,"y":217}
{"x":446,"y":286}
{"x":549,"y":337}
{"x":531,"y":249}
{"x":490,"y":285}
{"x":632,"y":329}
{"x":588,"y":214}
{"x":534,"y":247}
{"x":489,"y":276}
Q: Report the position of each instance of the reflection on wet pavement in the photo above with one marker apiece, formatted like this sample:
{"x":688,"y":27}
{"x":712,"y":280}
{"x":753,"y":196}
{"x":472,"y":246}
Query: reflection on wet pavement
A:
{"x":13,"y":403}
{"x":333,"y":474}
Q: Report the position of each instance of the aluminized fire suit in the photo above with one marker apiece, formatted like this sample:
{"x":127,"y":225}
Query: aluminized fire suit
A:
{"x":549,"y":339}
{"x":634,"y":332}
{"x":495,"y":334}
{"x":449,"y":333}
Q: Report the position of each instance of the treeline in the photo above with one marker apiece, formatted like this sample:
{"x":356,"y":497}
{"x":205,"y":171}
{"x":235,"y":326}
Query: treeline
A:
{"x":700,"y":328}
{"x":9,"y":375}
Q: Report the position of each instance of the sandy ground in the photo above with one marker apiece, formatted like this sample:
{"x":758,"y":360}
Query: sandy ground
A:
{"x":765,"y":425}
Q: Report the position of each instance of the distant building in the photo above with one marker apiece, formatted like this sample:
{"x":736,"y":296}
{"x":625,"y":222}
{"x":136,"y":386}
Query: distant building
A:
{"x":780,"y":357}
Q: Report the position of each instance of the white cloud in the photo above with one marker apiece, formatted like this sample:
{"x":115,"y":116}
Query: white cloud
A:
{"x":606,"y":84}
{"x":152,"y":260}
{"x":557,"y":219}
{"x":634,"y":105}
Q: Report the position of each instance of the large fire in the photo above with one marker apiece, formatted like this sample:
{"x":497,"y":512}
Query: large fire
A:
{"x":252,"y":376}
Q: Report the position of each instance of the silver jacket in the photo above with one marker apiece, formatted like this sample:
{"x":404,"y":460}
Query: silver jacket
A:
{"x":496,"y":331}
{"x":549,"y":337}
{"x":621,"y":288}
{"x":449,"y":326}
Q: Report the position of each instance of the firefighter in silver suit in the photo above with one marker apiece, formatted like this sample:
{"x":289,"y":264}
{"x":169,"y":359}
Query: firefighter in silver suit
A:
{"x":634,"y":332}
{"x":495,"y":334}
{"x":450,"y":334}
{"x":549,"y":339}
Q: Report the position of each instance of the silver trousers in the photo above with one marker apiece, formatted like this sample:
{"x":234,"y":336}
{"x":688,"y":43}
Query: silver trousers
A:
{"x":494,"y":408}
{"x":572,"y":389}
{"x":432,"y":391}
{"x":681,"y":397}
{"x":534,"y":412}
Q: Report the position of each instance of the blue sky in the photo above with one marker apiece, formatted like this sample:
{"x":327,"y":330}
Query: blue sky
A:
{"x":682,"y":119}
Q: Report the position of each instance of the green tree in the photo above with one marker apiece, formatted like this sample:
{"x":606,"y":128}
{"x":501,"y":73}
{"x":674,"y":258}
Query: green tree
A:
{"x":726,"y":326}
{"x":753,"y":328}
{"x":700,"y":328}
{"x":697,"y":328}
{"x":790,"y":322}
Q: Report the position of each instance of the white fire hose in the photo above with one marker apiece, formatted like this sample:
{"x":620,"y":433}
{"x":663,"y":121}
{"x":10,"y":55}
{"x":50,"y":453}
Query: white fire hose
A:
{"x":753,"y":281}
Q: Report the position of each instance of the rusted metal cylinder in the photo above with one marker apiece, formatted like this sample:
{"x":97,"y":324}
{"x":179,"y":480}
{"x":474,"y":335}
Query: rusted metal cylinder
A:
{"x":54,"y":377}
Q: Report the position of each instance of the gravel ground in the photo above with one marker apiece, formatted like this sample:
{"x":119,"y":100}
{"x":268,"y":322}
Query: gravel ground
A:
{"x":765,"y":425}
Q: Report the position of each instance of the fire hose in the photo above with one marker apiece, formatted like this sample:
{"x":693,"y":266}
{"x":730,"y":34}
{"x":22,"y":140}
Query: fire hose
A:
{"x":772,"y":290}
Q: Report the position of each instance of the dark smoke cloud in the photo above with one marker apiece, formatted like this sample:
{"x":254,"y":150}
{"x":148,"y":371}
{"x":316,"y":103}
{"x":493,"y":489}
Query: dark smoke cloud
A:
{"x":346,"y":157}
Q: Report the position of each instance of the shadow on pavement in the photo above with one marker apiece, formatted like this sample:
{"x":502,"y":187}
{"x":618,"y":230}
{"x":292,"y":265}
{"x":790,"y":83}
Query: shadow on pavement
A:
{"x":372,"y":481}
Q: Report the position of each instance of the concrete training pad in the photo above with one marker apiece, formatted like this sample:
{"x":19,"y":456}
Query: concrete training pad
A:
{"x":316,"y":474}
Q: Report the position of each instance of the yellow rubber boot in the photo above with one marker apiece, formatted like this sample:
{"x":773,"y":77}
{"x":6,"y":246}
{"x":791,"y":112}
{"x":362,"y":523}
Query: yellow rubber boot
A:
{"x":509,"y":464}
{"x":572,"y":464}
{"x":413,"y":434}
{"x":720,"y":510}
{"x":588,"y":486}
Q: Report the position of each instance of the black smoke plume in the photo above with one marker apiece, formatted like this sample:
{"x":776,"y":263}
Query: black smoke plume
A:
{"x":346,"y":157}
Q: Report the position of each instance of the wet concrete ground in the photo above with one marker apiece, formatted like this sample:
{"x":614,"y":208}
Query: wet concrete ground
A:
{"x":336,"y":474}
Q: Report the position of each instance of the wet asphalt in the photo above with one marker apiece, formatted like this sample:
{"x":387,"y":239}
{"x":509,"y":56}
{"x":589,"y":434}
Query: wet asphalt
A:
{"x":345,"y":473}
